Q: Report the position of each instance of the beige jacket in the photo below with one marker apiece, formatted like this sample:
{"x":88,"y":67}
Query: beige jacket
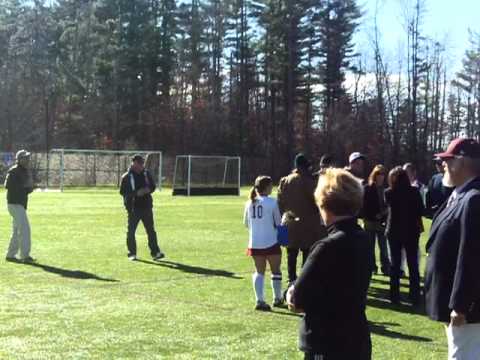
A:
{"x":295,"y":194}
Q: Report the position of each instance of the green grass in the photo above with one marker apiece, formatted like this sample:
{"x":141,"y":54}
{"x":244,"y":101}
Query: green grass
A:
{"x":84,"y":300}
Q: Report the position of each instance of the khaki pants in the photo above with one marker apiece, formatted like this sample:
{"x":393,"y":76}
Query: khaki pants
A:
{"x":20,"y":233}
{"x":463,"y":342}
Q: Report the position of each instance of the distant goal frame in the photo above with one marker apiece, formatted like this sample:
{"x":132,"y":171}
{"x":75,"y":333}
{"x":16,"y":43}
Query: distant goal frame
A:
{"x":62,"y":152}
{"x":190,"y":190}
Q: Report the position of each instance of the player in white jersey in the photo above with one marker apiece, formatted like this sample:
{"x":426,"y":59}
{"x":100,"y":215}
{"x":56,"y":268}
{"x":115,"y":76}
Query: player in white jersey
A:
{"x":262,"y":216}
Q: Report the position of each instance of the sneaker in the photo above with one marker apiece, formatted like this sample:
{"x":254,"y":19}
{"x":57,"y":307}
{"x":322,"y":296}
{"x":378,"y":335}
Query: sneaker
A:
{"x":278,"y":303}
{"x":28,"y":259}
{"x":132,"y":257}
{"x":11,"y":259}
{"x":159,"y":256}
{"x":262,"y":306}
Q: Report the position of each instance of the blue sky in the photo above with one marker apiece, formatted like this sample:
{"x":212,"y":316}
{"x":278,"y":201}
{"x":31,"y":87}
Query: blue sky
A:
{"x":444,"y":20}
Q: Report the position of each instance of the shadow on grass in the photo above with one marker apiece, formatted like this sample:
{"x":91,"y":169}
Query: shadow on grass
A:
{"x":72,"y":274}
{"x":192,"y":269}
{"x":380,"y":298}
{"x":386,"y":280}
{"x":379,"y":328}
{"x":286,"y":313}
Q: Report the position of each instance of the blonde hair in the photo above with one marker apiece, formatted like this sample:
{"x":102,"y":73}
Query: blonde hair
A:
{"x":377,"y":170}
{"x":261,"y":184}
{"x":339,"y":192}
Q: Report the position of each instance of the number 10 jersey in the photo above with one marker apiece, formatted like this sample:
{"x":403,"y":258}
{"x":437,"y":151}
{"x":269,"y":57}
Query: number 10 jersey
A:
{"x":261,"y":217}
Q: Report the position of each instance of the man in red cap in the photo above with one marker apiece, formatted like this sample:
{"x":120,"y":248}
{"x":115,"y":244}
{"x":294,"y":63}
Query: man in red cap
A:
{"x":452,"y":277}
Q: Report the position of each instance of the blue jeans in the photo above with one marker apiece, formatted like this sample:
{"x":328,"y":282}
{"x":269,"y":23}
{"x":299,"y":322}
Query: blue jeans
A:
{"x":376,"y":230}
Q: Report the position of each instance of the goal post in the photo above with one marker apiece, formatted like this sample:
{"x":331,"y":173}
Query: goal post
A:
{"x":96,"y":168}
{"x":206,"y":175}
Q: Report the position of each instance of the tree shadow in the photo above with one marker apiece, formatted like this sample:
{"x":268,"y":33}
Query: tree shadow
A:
{"x":381,"y":328}
{"x":73,"y":274}
{"x":380,"y":298}
{"x":192,"y":269}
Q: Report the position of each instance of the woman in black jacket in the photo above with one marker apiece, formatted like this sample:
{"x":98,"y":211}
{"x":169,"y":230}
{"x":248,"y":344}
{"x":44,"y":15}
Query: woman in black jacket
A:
{"x":404,"y":225}
{"x":332,"y":288}
{"x":374,"y":216}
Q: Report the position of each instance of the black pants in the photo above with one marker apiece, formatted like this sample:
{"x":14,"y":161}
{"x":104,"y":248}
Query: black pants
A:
{"x":367,"y":354}
{"x":312,"y":356}
{"x":361,"y":351}
{"x":146,"y":216}
{"x":410,"y":244}
{"x":292,"y":255}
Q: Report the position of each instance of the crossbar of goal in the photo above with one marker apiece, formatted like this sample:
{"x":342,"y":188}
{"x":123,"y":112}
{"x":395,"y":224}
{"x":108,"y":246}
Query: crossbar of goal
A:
{"x":202,"y":189}
{"x":93,"y":152}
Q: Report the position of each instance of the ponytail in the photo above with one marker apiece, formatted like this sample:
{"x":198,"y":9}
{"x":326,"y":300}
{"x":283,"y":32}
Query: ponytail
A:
{"x":253,"y":194}
{"x":261,"y":183}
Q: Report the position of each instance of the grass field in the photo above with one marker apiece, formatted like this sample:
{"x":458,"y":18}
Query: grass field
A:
{"x":84,"y":300}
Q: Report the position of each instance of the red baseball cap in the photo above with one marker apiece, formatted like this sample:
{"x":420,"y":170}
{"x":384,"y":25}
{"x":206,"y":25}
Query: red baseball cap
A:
{"x":461,"y":147}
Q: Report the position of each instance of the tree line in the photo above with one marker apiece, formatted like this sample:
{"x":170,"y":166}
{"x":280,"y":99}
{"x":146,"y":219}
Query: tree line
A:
{"x":262,"y":79}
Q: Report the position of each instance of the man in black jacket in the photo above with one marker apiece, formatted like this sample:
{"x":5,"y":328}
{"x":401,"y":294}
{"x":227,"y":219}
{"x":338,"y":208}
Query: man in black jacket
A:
{"x":357,"y":164}
{"x":19,"y":184}
{"x":437,"y":192}
{"x":136,"y":188}
{"x":452,"y":282}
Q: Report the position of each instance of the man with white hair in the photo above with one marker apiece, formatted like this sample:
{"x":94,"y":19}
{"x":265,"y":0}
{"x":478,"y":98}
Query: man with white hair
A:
{"x":452,"y":282}
{"x":19,"y":184}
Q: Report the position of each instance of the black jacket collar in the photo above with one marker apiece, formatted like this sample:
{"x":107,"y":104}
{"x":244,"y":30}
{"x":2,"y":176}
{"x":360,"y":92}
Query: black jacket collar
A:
{"x":341,"y":225}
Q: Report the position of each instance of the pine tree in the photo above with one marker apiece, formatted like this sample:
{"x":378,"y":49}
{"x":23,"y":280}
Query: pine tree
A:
{"x":337,"y":21}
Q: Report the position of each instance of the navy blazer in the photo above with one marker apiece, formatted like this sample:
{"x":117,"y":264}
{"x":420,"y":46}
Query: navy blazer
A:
{"x":452,"y":276}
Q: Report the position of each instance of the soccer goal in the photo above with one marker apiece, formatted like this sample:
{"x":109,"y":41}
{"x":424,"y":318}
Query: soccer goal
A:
{"x":206,"y":175}
{"x":95,"y":168}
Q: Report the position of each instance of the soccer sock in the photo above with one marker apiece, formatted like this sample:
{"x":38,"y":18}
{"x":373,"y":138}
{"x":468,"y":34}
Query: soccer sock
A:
{"x":258,"y":286}
{"x":277,"y":286}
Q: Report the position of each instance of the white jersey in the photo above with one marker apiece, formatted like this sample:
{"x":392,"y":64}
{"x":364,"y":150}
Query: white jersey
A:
{"x":261,"y":217}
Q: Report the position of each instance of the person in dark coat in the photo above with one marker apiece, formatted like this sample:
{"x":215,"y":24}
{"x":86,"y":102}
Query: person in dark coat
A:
{"x":295,"y":195}
{"x":357,"y":164}
{"x":404,"y":225}
{"x":452,"y":276}
{"x":437,"y":192}
{"x":136,"y":188}
{"x":332,"y":288}
{"x":326,"y":161}
{"x":374,"y":217}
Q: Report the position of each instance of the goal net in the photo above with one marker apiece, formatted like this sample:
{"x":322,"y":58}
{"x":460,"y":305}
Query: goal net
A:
{"x":38,"y":162}
{"x":93,"y":168}
{"x":206,"y":175}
